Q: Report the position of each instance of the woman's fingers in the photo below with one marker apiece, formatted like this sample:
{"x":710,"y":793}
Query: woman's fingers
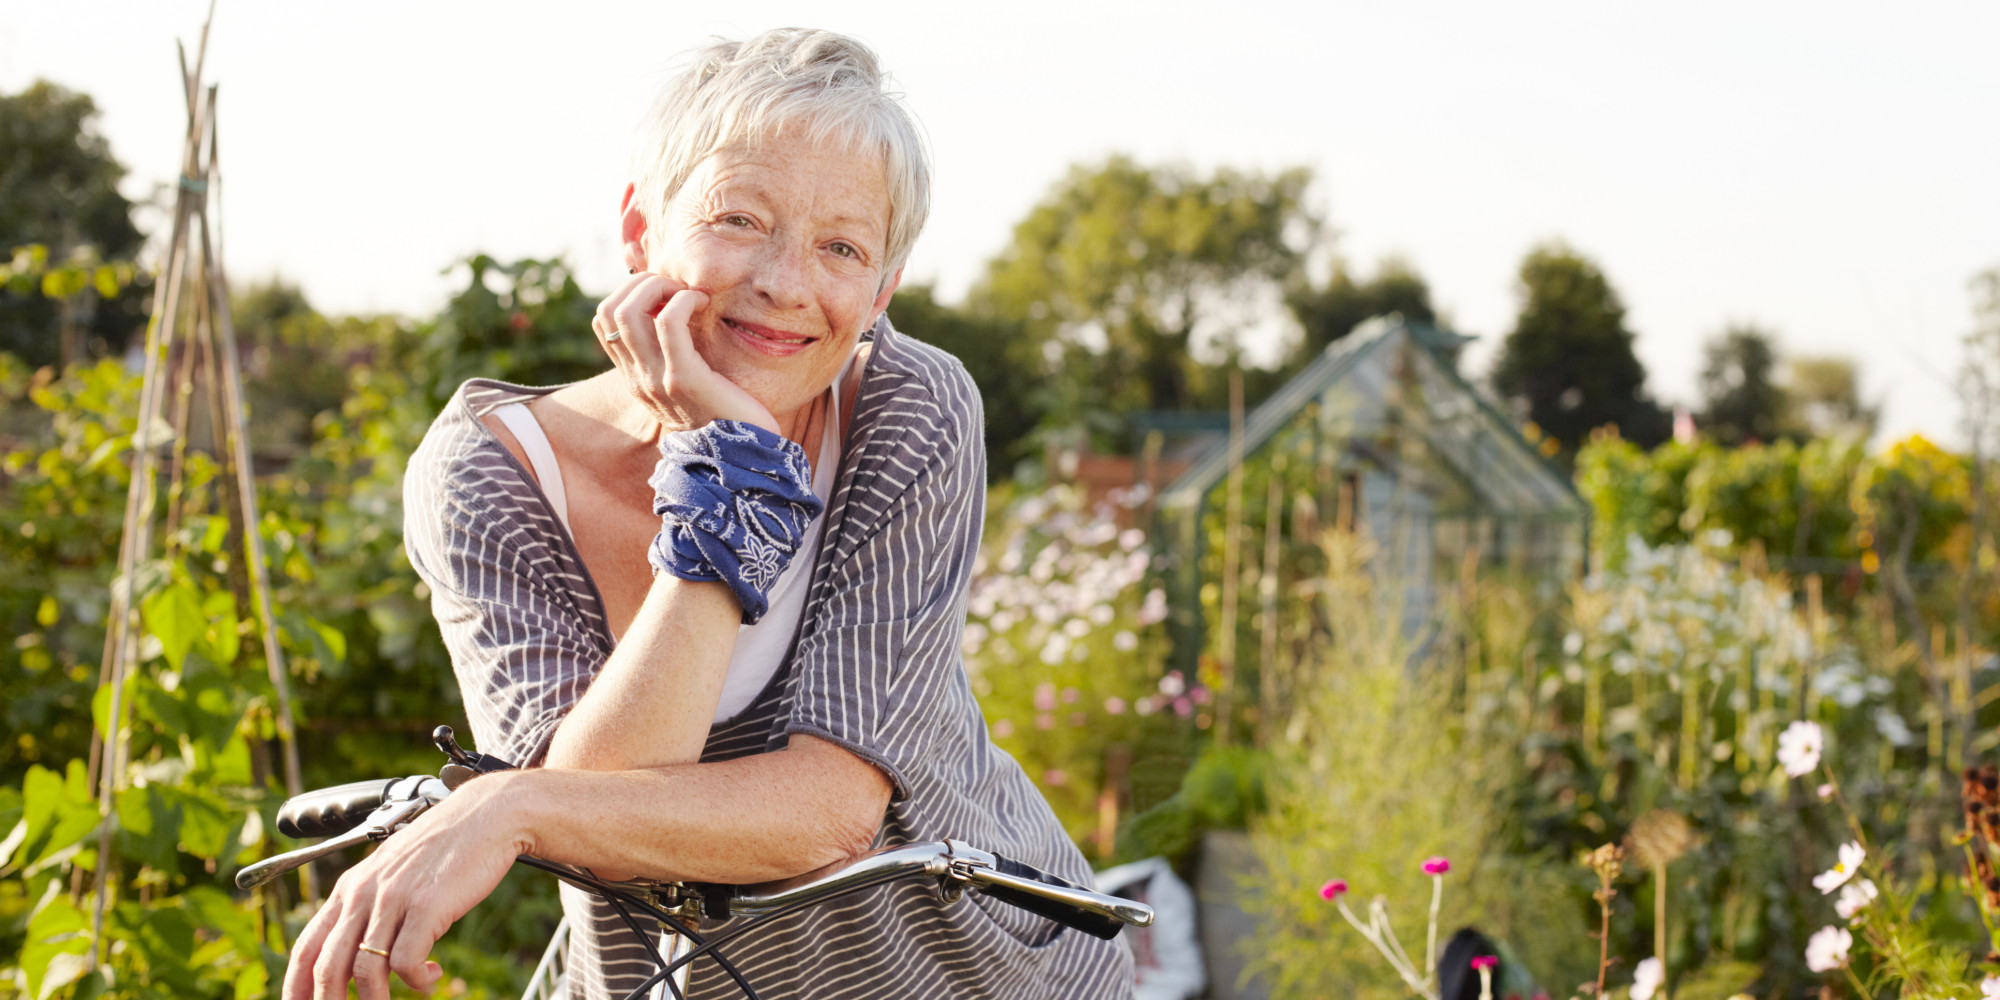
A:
{"x":671,"y":334}
{"x":333,"y":968}
{"x":416,"y":929}
{"x":633,"y":319}
{"x":306,"y":951}
{"x":371,"y":970}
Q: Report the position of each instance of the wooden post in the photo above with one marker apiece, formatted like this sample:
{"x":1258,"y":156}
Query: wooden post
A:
{"x":1232,"y":523}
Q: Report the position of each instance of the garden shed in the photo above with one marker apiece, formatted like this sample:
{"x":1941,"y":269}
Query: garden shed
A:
{"x":1378,"y":433}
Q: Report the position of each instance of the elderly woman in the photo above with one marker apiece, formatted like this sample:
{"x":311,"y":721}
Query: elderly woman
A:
{"x":711,"y":600}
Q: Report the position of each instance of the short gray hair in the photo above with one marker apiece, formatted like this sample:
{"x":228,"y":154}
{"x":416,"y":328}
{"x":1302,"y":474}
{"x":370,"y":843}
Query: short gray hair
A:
{"x":827,"y":84}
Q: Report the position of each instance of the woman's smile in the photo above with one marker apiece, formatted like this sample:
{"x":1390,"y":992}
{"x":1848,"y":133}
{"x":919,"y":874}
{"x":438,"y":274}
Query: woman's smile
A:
{"x":774,"y":342}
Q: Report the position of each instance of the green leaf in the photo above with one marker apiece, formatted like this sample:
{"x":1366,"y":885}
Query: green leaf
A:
{"x":220,"y":636}
{"x":46,"y":614}
{"x":205,"y":826}
{"x":63,"y":282}
{"x":174,"y":615}
{"x":106,"y":280}
{"x":163,"y":938}
{"x":148,"y":826}
{"x":216,"y":913}
{"x":216,"y":533}
{"x":252,"y":982}
{"x":57,"y":929}
{"x":59,"y":812}
{"x":333,"y":638}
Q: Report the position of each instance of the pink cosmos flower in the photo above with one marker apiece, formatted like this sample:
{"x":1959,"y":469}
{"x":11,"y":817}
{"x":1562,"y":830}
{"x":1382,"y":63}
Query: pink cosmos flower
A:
{"x":1333,"y":888}
{"x":1485,"y":961}
{"x":1437,"y":865}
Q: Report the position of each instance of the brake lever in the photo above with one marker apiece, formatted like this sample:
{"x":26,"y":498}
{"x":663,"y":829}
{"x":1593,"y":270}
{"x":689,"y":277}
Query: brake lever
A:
{"x":383,"y":821}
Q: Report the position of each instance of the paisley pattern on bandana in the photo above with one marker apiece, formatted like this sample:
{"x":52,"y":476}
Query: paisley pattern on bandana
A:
{"x":734,"y":502}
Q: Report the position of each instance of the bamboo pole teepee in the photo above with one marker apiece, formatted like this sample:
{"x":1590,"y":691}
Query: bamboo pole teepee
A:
{"x":191,"y":304}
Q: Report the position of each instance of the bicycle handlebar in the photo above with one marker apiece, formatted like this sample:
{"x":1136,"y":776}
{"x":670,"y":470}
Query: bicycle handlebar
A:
{"x":330,"y":812}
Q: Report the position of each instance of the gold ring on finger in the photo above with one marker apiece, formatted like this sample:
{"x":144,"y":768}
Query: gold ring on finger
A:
{"x":372,"y":950}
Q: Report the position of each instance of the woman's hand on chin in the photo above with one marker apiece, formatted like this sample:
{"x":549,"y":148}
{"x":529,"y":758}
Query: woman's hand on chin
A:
{"x":654,"y":349}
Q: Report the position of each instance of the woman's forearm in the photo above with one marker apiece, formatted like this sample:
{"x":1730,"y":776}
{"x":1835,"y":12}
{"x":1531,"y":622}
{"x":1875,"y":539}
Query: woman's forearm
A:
{"x":751,"y":819}
{"x":652,"y":704}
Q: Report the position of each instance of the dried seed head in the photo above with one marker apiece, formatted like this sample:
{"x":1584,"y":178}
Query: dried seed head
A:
{"x":1607,"y":861}
{"x":1660,"y":838}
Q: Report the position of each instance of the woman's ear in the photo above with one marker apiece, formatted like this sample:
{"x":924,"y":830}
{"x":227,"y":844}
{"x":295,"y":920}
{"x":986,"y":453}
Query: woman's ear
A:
{"x":631,"y":231}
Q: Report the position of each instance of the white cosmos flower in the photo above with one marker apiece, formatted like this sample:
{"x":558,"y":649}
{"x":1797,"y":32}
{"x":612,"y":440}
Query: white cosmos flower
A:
{"x":1827,"y":950}
{"x":1799,"y":747}
{"x":1851,"y":856}
{"x":1647,"y":978}
{"x":1854,"y":897}
{"x":1989,"y":988}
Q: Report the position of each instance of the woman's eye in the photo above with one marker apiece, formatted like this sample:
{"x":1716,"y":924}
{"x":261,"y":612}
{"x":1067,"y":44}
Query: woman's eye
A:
{"x":846,"y":250}
{"x":739,"y":221}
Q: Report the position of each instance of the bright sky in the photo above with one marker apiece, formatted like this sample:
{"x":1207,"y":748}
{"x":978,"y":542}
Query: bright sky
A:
{"x":1827,"y":170}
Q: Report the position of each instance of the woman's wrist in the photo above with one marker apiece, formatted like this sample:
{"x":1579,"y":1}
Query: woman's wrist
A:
{"x":509,"y":806}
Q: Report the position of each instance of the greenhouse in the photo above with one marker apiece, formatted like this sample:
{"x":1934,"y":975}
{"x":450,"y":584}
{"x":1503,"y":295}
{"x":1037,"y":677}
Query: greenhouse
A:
{"x":1379,"y":434}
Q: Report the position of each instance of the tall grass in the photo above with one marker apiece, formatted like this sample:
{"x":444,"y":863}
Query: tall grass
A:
{"x":1378,"y":768}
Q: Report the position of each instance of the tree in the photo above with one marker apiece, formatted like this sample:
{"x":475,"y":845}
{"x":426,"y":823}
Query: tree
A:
{"x":1568,"y":364}
{"x":1114,"y":274}
{"x":59,"y":188}
{"x":1741,"y":399}
{"x":1823,"y":400}
{"x":1333,"y":310}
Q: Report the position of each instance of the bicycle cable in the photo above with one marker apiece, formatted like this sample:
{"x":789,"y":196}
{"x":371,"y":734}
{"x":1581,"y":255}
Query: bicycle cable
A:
{"x":612,"y":892}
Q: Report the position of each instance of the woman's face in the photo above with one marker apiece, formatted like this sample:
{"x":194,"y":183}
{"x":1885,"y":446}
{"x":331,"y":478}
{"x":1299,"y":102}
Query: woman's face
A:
{"x":789,"y":240}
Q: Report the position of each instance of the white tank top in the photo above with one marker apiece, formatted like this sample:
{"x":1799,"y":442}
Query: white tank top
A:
{"x":760,"y":648}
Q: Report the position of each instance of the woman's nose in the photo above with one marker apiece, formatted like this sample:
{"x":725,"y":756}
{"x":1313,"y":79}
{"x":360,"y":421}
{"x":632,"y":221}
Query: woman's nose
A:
{"x":782,"y":276}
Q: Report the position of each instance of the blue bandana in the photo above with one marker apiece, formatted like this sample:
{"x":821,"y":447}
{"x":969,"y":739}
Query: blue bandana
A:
{"x":734,"y":502}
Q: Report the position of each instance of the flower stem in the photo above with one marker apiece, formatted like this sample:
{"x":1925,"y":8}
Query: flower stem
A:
{"x":1859,"y":990}
{"x":1978,"y":892}
{"x":1374,"y":937}
{"x":1660,"y":917}
{"x":1485,"y":983}
{"x":1431,"y":948}
{"x":1603,"y":943}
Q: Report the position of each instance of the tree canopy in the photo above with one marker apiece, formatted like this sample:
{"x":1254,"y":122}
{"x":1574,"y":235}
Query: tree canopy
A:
{"x":1332,"y":311}
{"x":1742,"y":401}
{"x":1823,"y":399}
{"x":1568,"y":363}
{"x":1115,"y":274}
{"x":59,"y":188}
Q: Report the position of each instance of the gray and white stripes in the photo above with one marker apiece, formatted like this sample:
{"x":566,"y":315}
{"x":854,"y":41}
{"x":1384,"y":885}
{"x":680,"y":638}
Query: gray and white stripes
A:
{"x":875,"y":667}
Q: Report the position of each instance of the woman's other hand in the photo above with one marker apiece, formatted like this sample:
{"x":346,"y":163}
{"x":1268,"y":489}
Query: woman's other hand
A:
{"x":645,"y":328}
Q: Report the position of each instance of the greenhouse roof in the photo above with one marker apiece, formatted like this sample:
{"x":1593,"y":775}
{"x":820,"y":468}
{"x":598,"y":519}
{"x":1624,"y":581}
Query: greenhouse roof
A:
{"x":1510,"y":476}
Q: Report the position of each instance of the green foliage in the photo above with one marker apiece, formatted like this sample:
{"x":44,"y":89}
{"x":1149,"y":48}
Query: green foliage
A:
{"x":1568,"y":362}
{"x":1225,"y":789}
{"x":1111,"y":277}
{"x":59,"y":187}
{"x":368,"y":669}
{"x":1794,"y":502}
{"x":1742,"y":402}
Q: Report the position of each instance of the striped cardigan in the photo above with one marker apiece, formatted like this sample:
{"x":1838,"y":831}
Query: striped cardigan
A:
{"x":874,"y":666}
